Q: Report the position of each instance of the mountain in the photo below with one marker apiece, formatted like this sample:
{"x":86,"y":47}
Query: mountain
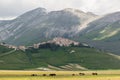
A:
{"x":106,"y":26}
{"x":15,"y":28}
{"x":56,"y":57}
{"x":104,"y":33}
{"x":40,"y":25}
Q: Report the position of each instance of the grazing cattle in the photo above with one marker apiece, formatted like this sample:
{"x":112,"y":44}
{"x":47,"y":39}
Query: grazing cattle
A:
{"x":73,"y":74}
{"x":94,"y":74}
{"x":44,"y":75}
{"x":52,"y":74}
{"x":33,"y":74}
{"x":81,"y":74}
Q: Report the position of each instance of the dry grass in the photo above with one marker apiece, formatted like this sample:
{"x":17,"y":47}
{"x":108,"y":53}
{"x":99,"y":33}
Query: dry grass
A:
{"x":63,"y":78}
{"x":100,"y":72}
{"x":61,"y":75}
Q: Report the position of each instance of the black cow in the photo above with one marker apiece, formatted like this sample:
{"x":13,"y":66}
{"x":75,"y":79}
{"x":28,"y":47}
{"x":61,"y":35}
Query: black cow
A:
{"x":73,"y":74}
{"x":44,"y":75}
{"x":52,"y":74}
{"x":33,"y":74}
{"x":94,"y":73}
{"x":81,"y":74}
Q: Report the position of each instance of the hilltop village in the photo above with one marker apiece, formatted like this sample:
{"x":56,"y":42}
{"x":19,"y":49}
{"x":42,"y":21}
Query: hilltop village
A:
{"x":58,"y":41}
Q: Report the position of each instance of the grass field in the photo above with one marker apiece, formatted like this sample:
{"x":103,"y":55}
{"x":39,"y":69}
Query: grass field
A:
{"x":59,"y":58}
{"x":63,"y":78}
{"x":60,"y":75}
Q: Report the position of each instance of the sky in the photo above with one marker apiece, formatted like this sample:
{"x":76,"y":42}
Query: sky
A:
{"x":10,"y":9}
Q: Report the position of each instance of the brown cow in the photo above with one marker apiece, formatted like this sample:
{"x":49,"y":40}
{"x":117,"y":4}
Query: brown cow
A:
{"x":73,"y":74}
{"x":44,"y":75}
{"x":52,"y":74}
{"x":81,"y":74}
{"x":33,"y":74}
{"x":94,"y":73}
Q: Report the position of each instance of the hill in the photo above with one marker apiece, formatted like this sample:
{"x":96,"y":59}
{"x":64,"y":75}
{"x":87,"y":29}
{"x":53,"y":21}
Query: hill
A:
{"x":51,"y":56}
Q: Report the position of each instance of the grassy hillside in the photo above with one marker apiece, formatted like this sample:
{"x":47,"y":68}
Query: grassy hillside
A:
{"x":14,"y":60}
{"x":88,"y":58}
{"x":4,"y":49}
{"x":106,"y":33}
{"x":106,"y":37}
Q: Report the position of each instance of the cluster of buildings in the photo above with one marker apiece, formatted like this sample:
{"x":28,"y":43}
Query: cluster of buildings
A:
{"x":64,"y":42}
{"x":58,"y":40}
{"x":13,"y":47}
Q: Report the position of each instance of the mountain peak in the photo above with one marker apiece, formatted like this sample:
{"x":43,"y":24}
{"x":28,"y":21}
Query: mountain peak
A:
{"x":73,"y":10}
{"x":40,"y":9}
{"x":33,"y":13}
{"x":90,"y":13}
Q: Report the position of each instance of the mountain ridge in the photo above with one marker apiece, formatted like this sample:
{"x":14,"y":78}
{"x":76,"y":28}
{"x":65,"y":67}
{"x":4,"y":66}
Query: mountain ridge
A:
{"x":38,"y":25}
{"x":38,"y":21}
{"x":104,"y":31}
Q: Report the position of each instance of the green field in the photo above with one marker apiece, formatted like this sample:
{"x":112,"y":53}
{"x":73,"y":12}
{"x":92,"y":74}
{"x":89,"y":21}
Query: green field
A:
{"x":60,"y":75}
{"x":60,"y":58}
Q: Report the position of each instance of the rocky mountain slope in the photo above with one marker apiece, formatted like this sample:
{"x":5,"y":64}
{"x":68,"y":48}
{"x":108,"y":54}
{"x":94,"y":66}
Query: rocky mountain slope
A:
{"x":104,"y":33}
{"x":40,"y":25}
{"x":105,"y":27}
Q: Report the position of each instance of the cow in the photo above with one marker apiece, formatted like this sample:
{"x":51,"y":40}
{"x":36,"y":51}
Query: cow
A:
{"x":52,"y":74}
{"x":44,"y":75}
{"x":73,"y":74}
{"x":81,"y":74}
{"x":33,"y":74}
{"x":94,"y":73}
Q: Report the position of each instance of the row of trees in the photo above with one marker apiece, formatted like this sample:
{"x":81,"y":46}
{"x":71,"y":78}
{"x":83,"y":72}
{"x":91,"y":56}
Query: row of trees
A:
{"x":51,"y":46}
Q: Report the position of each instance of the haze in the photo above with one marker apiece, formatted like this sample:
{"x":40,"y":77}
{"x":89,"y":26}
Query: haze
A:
{"x":10,"y":9}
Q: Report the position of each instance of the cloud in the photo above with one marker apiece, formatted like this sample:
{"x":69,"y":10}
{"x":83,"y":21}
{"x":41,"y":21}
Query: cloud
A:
{"x":13,"y":8}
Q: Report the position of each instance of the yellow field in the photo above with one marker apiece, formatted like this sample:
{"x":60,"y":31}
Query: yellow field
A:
{"x":60,"y":75}
{"x":62,"y":78}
